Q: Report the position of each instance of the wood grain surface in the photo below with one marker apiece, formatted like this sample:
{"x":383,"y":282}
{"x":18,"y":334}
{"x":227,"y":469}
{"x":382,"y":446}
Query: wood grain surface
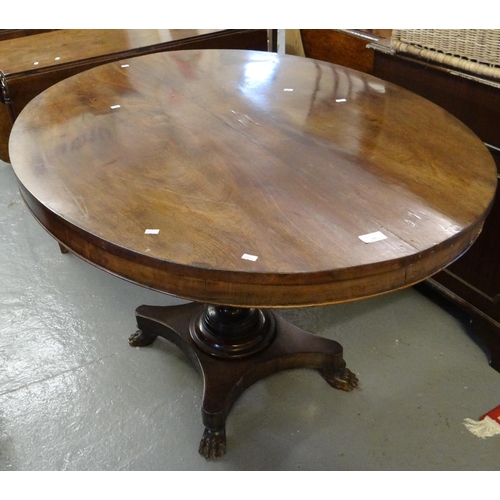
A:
{"x":232,"y":153}
{"x":339,"y":47}
{"x":30,"y":65}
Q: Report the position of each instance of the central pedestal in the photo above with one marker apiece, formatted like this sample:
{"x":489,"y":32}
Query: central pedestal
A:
{"x":233,"y":348}
{"x":229,"y":332}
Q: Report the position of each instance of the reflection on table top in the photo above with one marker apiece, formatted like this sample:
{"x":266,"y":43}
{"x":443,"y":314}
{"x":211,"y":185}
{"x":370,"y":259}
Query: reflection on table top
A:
{"x":273,"y":180}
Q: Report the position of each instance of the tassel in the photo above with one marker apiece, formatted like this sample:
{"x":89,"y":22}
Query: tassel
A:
{"x":488,"y":425}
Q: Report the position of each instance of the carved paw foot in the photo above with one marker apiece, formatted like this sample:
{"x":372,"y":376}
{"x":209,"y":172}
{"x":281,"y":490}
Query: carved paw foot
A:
{"x":343,"y":379}
{"x":213,"y":443}
{"x":141,"y":339}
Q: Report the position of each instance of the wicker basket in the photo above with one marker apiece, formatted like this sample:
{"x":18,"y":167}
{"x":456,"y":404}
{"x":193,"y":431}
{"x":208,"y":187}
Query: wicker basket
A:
{"x":475,"y":51}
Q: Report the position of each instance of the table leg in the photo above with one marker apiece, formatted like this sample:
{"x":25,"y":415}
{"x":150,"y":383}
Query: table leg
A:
{"x":234,"y":348}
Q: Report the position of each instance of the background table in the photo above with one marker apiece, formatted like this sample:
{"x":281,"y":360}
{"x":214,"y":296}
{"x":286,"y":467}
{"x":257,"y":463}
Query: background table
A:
{"x":31,"y":64}
{"x":246,"y":181}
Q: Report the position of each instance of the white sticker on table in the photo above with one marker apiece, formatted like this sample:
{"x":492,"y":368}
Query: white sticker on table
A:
{"x":373,"y":237}
{"x":247,"y":256}
{"x":151,"y":231}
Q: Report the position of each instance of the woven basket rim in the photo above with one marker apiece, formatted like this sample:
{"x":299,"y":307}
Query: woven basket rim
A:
{"x":475,"y":51}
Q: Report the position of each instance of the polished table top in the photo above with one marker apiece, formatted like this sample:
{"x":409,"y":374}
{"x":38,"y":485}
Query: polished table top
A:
{"x":251,"y":178}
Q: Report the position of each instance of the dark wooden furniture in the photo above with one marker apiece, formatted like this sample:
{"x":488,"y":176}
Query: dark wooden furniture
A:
{"x":31,"y":64}
{"x":345,"y":47}
{"x":473,"y":282}
{"x":348,"y":48}
{"x":9,"y":34}
{"x":247,"y":181}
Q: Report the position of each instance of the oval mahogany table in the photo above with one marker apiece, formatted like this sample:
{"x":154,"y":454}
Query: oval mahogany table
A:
{"x":246,"y":181}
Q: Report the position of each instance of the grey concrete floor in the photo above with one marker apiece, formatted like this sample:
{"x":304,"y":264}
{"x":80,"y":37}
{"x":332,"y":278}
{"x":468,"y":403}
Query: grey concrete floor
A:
{"x":75,"y":396}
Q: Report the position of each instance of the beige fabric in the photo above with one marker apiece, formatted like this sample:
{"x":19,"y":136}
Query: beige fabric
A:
{"x":293,"y":43}
{"x":475,"y":51}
